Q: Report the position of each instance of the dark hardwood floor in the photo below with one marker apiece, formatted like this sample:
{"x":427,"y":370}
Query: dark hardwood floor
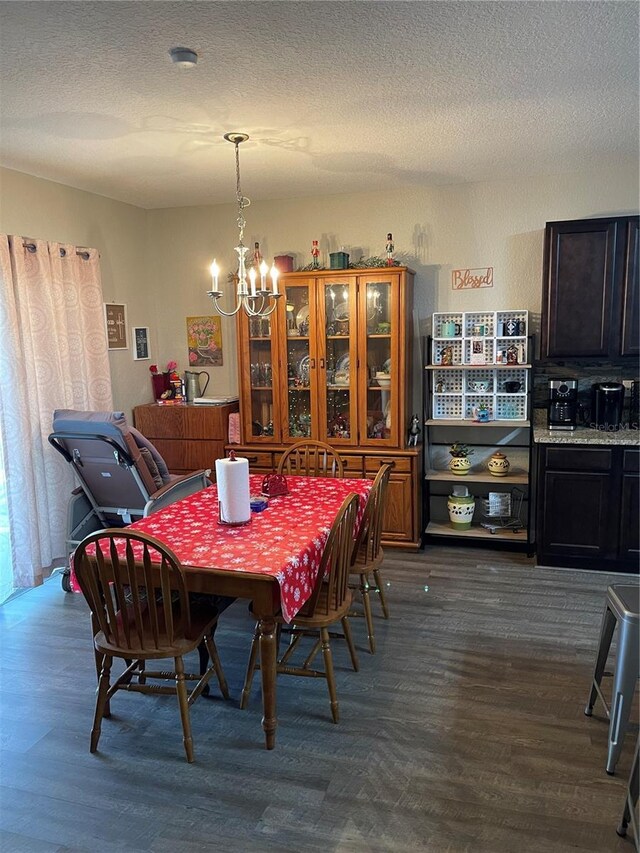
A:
{"x":465,"y":732}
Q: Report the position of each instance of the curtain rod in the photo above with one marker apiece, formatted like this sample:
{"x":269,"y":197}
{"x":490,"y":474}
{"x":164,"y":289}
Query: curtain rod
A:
{"x":81,"y":251}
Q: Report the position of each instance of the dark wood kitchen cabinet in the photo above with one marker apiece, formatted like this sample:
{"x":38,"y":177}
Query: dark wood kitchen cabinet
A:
{"x":590,"y":289}
{"x":588,"y":507}
{"x":630,"y":506}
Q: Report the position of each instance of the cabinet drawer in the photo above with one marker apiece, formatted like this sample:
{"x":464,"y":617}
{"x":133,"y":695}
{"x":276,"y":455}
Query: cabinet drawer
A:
{"x":352,"y":465}
{"x":398,"y":463}
{"x":189,"y":455}
{"x":258,"y":460}
{"x":631,"y":461}
{"x":160,"y":421}
{"x":573,"y":459}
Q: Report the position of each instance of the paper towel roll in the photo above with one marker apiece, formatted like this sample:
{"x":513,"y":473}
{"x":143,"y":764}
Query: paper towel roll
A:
{"x":232,"y":478}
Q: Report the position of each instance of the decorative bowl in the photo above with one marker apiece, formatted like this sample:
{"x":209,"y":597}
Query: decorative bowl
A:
{"x":383,"y":379}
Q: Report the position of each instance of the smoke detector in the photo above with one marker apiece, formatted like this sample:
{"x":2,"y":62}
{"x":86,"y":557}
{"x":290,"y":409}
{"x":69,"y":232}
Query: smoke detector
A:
{"x":184,"y":57}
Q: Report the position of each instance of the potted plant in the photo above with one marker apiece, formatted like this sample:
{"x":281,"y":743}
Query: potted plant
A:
{"x":459,"y":462}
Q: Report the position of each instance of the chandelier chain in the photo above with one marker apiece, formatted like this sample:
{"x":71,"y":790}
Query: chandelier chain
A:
{"x":242,"y":201}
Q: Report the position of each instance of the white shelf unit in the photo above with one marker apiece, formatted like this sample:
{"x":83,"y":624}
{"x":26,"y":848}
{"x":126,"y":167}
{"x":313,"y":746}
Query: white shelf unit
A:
{"x":453,"y":392}
{"x":464,"y":380}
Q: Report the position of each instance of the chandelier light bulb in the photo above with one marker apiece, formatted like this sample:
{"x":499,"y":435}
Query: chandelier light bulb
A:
{"x":274,"y":280}
{"x":264,"y":269}
{"x":215,"y":271}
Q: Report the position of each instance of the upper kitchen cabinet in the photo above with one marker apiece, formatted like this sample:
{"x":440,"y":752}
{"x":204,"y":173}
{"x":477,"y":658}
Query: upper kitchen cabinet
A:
{"x":590,"y":289}
{"x":630,"y":304}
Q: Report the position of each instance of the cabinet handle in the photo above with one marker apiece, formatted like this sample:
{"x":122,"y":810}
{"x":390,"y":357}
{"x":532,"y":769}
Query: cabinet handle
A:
{"x":312,"y":363}
{"x":322,"y":364}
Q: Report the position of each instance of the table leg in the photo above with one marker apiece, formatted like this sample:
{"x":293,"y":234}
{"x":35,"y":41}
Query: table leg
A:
{"x":268,"y":655}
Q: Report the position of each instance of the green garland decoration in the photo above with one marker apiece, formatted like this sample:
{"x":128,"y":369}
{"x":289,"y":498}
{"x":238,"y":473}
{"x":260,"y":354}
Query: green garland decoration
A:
{"x":363,"y":263}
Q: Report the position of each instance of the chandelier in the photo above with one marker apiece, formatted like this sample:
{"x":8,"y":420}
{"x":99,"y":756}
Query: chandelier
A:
{"x":256,"y":301}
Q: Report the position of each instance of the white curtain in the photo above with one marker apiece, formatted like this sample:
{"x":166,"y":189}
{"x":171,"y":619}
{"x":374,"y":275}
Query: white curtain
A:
{"x":53,"y":355}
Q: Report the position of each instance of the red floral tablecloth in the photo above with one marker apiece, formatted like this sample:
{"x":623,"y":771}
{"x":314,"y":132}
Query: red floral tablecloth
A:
{"x":285,"y":541}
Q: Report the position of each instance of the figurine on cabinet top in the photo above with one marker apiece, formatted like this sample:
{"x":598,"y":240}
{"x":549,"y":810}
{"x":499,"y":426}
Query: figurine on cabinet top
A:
{"x":390,"y":247}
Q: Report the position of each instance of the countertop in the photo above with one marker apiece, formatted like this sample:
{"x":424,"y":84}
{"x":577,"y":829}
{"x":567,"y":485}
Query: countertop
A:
{"x":584,"y":435}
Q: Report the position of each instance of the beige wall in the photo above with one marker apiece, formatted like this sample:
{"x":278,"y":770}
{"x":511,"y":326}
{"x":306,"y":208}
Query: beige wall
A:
{"x":497,"y":224}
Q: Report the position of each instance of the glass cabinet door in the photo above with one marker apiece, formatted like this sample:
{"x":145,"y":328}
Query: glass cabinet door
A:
{"x":262,"y":379}
{"x":337,"y":354}
{"x":300,"y":406}
{"x":378,"y":316}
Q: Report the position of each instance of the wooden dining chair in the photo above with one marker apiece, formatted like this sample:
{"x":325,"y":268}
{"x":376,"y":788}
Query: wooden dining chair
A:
{"x":367,"y":555}
{"x":311,"y":459}
{"x":140,"y":609}
{"x":329,"y":603}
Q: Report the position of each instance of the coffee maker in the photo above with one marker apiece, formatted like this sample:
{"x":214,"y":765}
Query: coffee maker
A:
{"x":563,"y":404}
{"x":607,"y":399}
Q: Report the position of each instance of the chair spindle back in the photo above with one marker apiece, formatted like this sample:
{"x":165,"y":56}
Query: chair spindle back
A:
{"x":311,"y":459}
{"x":130,"y":594}
{"x":333,"y":573}
{"x":367,"y":543}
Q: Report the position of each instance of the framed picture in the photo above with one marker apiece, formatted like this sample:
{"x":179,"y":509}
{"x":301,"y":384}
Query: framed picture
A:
{"x":204,"y":340}
{"x":140,"y":335}
{"x":477,"y":353}
{"x":115,"y":318}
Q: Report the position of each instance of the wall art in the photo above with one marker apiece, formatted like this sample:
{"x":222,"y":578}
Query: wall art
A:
{"x":115,"y":318}
{"x":140,"y":335}
{"x":471,"y":279}
{"x":204,"y":339}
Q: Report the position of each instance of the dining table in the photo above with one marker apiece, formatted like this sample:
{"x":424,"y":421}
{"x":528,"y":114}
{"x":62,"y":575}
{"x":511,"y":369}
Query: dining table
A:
{"x":272,"y":560}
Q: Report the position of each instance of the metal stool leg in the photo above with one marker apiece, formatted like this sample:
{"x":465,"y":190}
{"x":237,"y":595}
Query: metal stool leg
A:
{"x":624,"y":684}
{"x":606,"y":633}
{"x":631,"y":801}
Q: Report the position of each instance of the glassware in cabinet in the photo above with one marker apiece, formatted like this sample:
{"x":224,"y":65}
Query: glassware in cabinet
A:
{"x":337,"y":357}
{"x":378,"y":313}
{"x":259,"y":390}
{"x":300,"y":415}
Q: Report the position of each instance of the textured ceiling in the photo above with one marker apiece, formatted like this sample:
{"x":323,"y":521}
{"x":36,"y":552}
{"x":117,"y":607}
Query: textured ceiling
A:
{"x":336,"y":96}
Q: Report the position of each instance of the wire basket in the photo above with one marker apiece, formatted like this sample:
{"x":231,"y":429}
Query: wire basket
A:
{"x":503,"y":511}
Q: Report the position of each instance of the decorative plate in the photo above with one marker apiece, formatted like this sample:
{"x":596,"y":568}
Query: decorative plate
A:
{"x":343,"y":362}
{"x":302,"y":315}
{"x":302,"y":370}
{"x":341,"y":311}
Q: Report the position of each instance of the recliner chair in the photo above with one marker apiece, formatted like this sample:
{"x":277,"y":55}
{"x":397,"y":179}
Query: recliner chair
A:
{"x":121,"y":475}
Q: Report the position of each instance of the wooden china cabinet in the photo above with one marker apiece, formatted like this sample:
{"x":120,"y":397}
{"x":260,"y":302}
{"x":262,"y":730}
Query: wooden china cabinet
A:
{"x":333,"y":363}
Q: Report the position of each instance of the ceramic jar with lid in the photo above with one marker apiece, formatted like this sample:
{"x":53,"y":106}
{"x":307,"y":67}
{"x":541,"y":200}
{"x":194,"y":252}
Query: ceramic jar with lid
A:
{"x":461,"y":506}
{"x":498,"y":464}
